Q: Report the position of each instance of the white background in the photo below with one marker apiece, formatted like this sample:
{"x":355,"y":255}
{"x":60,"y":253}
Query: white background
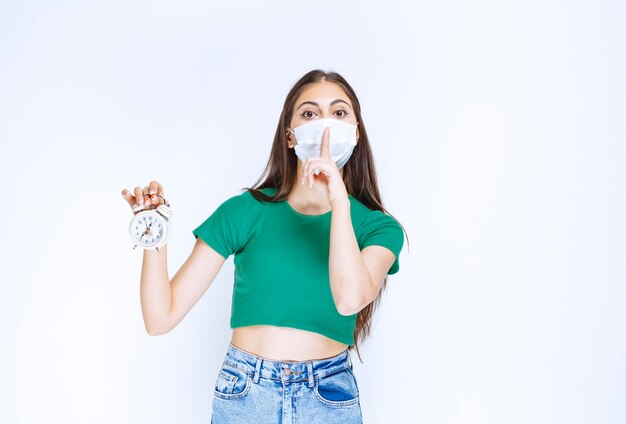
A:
{"x":498,"y":133}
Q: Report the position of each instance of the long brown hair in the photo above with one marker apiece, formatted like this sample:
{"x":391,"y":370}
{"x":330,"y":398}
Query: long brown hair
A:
{"x":359,"y":174}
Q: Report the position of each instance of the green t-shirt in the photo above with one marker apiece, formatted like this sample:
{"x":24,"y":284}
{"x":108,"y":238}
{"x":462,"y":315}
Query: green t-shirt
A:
{"x":281,"y":261}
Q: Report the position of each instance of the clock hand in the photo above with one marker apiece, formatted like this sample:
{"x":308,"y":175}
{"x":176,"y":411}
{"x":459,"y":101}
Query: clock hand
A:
{"x":147,"y":230}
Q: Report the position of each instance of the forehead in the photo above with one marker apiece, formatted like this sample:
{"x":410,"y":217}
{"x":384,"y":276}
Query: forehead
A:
{"x":323,"y":93}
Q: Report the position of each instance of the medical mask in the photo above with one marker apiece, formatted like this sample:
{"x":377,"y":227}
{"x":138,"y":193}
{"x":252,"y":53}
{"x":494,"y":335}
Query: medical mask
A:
{"x":341,"y":140}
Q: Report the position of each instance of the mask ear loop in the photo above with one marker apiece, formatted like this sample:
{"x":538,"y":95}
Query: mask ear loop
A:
{"x":294,"y":133}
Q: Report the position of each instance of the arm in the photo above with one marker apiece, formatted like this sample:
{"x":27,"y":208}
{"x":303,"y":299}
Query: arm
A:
{"x":163,"y":303}
{"x":355,"y":276}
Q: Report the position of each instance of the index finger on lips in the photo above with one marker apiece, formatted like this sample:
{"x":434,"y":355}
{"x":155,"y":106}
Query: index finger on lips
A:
{"x":325,"y":141}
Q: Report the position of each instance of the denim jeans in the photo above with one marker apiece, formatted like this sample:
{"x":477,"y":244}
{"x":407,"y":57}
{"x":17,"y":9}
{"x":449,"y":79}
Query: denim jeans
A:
{"x":252,"y":389}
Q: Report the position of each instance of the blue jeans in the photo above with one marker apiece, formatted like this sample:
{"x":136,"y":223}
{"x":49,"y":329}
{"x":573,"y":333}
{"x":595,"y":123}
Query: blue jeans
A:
{"x":252,"y":389}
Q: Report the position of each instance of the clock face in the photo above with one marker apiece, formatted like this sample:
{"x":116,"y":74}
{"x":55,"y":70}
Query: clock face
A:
{"x":147,"y":229}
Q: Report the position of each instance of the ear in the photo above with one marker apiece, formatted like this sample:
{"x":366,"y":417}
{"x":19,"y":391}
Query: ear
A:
{"x":290,"y":142}
{"x":357,"y":132}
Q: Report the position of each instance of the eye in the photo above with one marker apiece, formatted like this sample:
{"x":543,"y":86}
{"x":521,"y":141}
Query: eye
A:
{"x":343,"y":114}
{"x":305,"y":112}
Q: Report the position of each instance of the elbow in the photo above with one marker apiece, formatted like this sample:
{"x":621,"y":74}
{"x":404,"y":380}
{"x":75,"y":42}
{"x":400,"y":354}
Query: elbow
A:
{"x":156,"y":331}
{"x":159,"y":326}
{"x":344,"y":311}
{"x":345,"y":305}
{"x":351,"y":304}
{"x":347,"y":309}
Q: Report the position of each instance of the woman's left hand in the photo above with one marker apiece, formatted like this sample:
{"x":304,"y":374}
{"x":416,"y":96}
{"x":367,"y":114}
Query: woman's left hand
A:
{"x":323,"y":174}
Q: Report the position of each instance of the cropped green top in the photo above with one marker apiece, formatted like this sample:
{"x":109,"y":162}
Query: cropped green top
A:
{"x":281,"y":261}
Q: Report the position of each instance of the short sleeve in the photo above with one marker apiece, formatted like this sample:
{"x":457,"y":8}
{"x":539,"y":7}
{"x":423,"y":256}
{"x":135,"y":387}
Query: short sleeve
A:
{"x":381,"y":229}
{"x":226,"y":228}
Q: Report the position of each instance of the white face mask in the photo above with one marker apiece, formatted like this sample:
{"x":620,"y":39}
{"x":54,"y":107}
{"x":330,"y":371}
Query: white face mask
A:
{"x":341,"y":140}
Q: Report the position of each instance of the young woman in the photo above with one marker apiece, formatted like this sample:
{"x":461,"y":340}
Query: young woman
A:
{"x":312,"y":247}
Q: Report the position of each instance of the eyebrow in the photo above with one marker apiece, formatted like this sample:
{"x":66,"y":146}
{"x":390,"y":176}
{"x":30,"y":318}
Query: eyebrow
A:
{"x":331,"y":103}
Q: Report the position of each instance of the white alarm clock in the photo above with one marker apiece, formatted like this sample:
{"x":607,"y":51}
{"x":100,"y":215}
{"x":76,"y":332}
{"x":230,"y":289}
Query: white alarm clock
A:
{"x":151,"y":228}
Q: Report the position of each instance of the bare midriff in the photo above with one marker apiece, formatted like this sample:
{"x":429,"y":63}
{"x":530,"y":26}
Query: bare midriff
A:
{"x":285,"y":343}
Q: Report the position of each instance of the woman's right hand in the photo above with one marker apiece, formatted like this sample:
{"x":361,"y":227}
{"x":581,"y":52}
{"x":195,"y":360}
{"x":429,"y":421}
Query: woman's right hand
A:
{"x":145,"y":197}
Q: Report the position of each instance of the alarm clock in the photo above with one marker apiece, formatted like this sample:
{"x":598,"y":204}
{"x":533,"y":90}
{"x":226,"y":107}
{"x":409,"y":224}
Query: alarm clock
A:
{"x":151,"y":228}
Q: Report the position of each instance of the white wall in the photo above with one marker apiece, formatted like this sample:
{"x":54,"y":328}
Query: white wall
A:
{"x":498,"y":131}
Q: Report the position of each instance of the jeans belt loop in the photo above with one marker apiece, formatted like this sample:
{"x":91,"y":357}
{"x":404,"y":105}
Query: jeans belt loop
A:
{"x":257,"y":370}
{"x":309,"y":366}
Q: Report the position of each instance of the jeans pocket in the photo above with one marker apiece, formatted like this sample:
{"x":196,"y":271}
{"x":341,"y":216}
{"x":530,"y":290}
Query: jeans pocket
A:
{"x":232,"y":382}
{"x":338,"y":389}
